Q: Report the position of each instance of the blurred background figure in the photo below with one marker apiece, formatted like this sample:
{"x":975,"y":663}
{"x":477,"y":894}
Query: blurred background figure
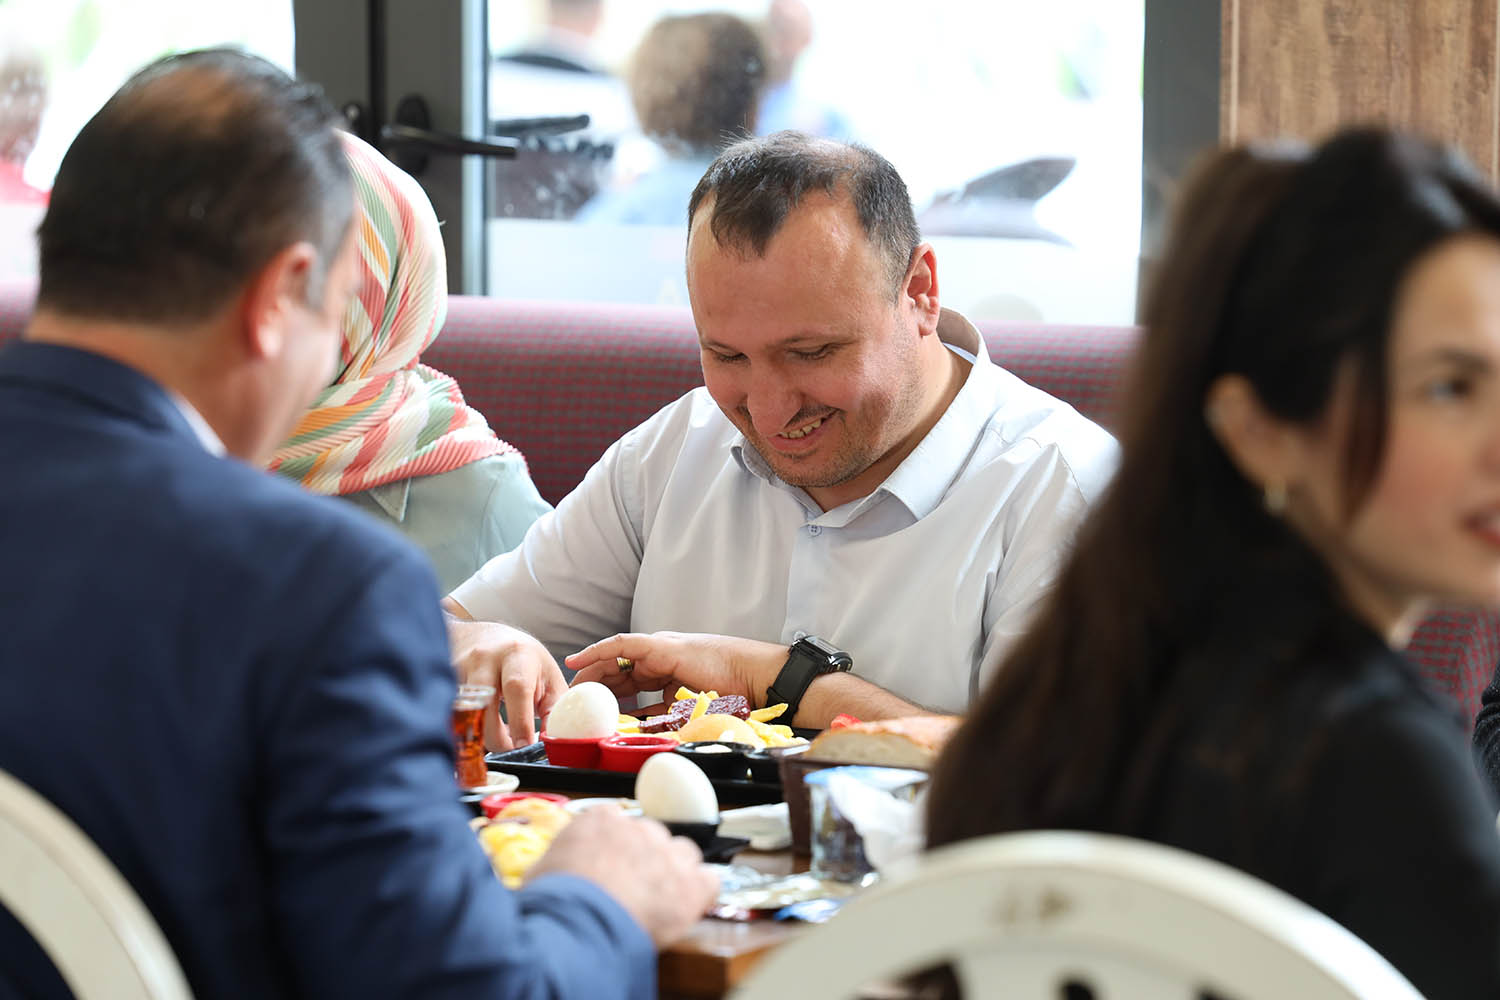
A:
{"x":695,"y":81}
{"x":786,"y":102}
{"x":566,"y":42}
{"x":23,"y":98}
{"x":394,"y":436}
{"x":556,"y":72}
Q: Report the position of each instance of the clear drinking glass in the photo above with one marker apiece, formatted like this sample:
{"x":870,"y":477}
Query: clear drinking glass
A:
{"x":469,"y":704}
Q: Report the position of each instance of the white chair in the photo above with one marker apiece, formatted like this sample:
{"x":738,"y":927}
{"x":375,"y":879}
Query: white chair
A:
{"x":1054,"y":914}
{"x":70,"y":898}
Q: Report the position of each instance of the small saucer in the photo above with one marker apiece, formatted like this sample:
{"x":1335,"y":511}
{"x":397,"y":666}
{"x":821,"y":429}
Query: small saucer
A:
{"x":630,"y":807}
{"x":496,"y":782}
{"x":716,"y":849}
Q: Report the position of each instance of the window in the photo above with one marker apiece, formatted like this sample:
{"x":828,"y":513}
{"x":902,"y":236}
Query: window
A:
{"x":1016,"y":125}
{"x":60,"y":60}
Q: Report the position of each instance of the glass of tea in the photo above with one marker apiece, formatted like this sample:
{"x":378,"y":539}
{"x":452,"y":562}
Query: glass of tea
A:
{"x":469,"y":704}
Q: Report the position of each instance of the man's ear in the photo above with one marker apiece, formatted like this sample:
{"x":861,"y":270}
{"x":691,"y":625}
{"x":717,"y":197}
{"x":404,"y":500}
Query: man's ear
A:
{"x":1266,"y":449}
{"x":273,"y":294}
{"x":921,"y":288}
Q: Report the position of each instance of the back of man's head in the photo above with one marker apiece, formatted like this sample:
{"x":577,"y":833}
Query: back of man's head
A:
{"x":196,"y":173}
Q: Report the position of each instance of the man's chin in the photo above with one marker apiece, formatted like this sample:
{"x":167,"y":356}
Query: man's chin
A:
{"x":804,"y":476}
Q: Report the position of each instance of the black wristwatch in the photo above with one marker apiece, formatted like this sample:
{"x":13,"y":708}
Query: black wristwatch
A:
{"x":808,"y":658}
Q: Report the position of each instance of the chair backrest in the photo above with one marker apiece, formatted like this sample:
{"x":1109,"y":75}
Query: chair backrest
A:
{"x":69,"y":897}
{"x":1065,"y":915}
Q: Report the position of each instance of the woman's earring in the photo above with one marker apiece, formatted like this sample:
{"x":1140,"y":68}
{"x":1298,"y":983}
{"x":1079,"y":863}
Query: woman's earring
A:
{"x":1275,"y":497}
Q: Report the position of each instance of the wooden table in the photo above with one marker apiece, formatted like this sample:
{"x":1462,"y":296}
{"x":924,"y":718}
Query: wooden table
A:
{"x":716,"y":954}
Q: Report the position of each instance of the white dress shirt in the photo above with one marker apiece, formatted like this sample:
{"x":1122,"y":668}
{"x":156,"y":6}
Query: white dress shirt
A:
{"x":925,"y":582}
{"x":204,"y":433}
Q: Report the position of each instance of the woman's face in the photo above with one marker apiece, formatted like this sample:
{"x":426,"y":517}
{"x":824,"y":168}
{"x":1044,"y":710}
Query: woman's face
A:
{"x":1429,"y":527}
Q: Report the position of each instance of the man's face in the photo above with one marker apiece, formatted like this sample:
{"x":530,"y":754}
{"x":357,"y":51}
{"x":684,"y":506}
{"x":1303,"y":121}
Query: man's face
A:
{"x":313,"y":335}
{"x":809,"y":351}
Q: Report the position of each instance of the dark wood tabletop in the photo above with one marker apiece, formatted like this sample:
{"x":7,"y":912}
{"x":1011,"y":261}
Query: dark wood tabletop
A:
{"x":716,"y":954}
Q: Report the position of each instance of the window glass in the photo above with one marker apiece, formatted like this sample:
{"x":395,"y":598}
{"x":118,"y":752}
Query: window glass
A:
{"x":60,"y":60}
{"x":1016,"y":125}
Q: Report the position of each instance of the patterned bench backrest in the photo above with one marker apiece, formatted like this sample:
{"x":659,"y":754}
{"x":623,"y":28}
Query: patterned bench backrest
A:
{"x":561,"y":381}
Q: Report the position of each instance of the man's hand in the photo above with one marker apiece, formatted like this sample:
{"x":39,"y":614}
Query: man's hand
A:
{"x":515,"y":664}
{"x":659,"y":879}
{"x":664,"y":659}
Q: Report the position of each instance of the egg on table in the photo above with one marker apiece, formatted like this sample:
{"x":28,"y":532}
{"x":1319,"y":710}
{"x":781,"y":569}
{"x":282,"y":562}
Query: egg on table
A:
{"x":672,"y":789}
{"x":586,"y":711}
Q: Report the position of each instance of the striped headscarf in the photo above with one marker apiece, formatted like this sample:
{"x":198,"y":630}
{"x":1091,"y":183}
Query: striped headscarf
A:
{"x":385,"y":417}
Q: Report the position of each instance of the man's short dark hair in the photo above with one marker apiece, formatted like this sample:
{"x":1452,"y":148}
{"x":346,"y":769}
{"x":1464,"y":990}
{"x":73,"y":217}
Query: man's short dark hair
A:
{"x":756,"y":183}
{"x":198,"y":171}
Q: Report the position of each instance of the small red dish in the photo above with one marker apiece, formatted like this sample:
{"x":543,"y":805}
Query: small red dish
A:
{"x":628,"y":753}
{"x":572,"y":753}
{"x":492,"y":804}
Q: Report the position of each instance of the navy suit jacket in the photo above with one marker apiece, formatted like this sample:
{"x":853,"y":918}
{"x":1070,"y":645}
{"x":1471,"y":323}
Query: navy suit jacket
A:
{"x":241,"y":693}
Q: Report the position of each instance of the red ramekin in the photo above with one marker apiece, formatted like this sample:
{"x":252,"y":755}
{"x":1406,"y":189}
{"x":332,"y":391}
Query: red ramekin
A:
{"x":629,"y":752}
{"x":572,"y":753}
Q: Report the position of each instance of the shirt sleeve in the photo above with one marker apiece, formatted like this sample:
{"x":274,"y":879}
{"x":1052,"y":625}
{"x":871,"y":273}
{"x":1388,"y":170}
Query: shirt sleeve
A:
{"x":572,"y":579}
{"x":1404,"y":839}
{"x":512,"y":507}
{"x":1037,"y":527}
{"x":380,"y":887}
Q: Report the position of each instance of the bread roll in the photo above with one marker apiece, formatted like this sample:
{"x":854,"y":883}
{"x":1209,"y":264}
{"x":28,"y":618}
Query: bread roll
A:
{"x":914,"y":741}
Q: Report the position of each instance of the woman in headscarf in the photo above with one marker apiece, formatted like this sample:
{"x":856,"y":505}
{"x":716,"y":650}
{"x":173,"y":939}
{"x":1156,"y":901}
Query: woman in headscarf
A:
{"x":393,"y":435}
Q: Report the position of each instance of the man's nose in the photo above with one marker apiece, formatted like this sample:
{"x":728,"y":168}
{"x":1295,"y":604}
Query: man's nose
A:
{"x":772,"y":401}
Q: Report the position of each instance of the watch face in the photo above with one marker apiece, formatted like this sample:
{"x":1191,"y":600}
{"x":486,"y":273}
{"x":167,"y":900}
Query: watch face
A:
{"x":836,"y":658}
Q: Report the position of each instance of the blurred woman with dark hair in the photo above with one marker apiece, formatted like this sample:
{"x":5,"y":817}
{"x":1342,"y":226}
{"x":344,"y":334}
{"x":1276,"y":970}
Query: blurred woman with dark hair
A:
{"x":1311,"y":455}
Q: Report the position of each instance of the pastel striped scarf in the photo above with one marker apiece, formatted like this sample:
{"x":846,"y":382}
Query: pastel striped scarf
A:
{"x":386,"y":417}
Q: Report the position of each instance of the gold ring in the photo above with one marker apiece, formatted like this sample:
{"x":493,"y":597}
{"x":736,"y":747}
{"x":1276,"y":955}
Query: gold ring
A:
{"x":625,"y":663}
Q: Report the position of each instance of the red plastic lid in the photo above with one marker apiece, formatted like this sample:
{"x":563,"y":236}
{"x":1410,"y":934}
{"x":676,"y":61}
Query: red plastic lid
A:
{"x":492,"y":804}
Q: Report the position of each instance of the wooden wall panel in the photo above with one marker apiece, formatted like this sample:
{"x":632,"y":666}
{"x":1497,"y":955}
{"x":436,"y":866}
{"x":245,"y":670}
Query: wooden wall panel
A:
{"x":1303,"y":67}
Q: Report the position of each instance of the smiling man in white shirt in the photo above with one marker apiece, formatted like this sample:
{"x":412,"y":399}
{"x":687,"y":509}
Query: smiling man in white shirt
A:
{"x":854,"y":469}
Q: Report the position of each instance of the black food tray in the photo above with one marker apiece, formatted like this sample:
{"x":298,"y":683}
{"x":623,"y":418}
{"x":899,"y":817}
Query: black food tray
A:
{"x":529,"y":763}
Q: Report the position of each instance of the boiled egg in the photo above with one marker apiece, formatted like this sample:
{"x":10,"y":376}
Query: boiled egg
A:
{"x":673,"y":789}
{"x":586,"y":711}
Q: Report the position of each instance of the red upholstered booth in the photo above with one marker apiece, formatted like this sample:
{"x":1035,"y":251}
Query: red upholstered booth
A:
{"x":561,"y":380}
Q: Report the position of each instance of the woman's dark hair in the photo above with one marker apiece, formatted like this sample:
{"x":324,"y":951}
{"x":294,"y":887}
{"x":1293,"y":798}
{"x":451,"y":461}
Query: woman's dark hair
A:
{"x":1282,"y":267}
{"x":756,"y":183}
{"x":192,"y":176}
{"x":696,"y":80}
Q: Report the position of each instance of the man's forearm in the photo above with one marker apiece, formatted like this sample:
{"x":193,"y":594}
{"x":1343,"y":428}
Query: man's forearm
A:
{"x":828,"y":695}
{"x":834,"y":694}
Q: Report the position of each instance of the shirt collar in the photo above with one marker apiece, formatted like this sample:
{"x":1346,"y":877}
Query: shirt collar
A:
{"x":392,"y":497}
{"x":923,"y":477}
{"x":211,"y":442}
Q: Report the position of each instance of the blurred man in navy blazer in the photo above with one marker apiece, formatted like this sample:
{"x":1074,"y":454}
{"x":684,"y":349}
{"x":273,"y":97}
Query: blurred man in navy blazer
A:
{"x":238,"y":690}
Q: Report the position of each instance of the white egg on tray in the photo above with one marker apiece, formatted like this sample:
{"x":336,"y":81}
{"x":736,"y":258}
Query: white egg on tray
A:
{"x":672,"y":789}
{"x":586,"y":711}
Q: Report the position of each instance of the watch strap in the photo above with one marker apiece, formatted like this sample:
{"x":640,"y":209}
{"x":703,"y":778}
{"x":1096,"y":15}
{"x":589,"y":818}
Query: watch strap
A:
{"x":804,"y":664}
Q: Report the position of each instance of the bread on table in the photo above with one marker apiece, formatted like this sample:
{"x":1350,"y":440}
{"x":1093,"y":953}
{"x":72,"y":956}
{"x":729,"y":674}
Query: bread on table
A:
{"x":914,"y":741}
